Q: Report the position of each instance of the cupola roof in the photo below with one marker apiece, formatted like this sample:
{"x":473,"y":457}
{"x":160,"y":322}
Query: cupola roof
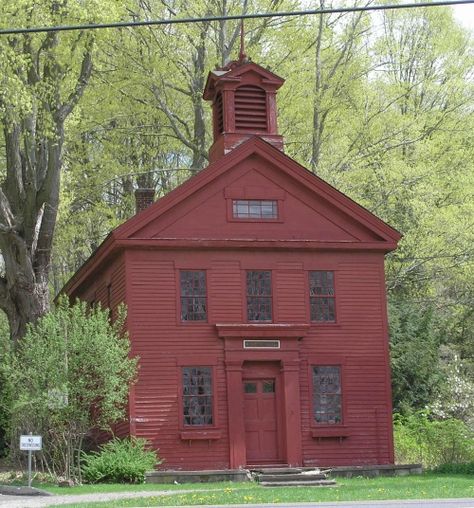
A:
{"x":243,"y":96}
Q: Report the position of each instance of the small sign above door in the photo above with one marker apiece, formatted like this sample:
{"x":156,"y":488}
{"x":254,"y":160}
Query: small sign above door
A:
{"x":261,"y":344}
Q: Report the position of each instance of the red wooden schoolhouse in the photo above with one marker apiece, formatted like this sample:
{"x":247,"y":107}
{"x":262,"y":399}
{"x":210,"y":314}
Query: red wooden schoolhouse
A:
{"x":256,"y":303}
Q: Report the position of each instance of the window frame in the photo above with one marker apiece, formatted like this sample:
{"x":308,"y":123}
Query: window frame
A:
{"x":193,"y":362}
{"x":255,"y":219}
{"x":334,"y":297}
{"x":232,"y":194}
{"x":179,"y":297}
{"x":327,"y":361}
{"x":246,"y":296}
{"x":209,"y":394}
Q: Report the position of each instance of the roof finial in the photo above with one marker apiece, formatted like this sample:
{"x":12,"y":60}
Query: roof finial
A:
{"x":242,"y":55}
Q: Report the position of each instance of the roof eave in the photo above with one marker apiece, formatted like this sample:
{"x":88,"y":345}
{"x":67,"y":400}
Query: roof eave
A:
{"x":92,"y":263}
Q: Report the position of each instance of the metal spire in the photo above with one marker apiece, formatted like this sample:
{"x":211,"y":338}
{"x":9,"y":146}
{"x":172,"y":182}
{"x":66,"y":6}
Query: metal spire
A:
{"x":242,"y":55}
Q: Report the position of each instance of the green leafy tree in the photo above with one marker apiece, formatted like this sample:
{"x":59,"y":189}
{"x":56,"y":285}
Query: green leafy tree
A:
{"x":416,"y":372}
{"x":69,"y":376}
{"x":43,"y":77}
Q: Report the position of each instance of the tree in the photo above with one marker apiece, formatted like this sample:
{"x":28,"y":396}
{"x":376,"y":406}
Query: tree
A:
{"x":416,"y":372}
{"x":455,"y":399}
{"x":43,"y":78}
{"x":69,"y":375}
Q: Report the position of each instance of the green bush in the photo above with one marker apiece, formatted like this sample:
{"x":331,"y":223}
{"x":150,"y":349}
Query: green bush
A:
{"x":433,"y":443}
{"x":467,"y":468}
{"x":70,"y":373}
{"x":119,"y":461}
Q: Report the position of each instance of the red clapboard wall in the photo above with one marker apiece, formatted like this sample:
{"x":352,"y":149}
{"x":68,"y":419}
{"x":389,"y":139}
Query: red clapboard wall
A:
{"x":256,"y":304}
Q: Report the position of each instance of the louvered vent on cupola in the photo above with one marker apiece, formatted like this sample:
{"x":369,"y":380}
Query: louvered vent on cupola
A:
{"x":219,"y":121}
{"x":250,"y":109}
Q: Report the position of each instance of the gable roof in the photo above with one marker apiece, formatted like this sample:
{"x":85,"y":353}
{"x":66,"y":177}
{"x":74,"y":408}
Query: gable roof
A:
{"x":123,"y":236}
{"x":234,"y":71}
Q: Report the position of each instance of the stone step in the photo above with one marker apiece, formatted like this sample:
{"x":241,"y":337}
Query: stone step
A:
{"x":300,"y":483}
{"x":290,"y":477}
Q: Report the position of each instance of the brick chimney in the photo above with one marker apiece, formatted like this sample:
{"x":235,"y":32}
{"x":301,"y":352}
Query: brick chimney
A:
{"x":143,"y":199}
{"x":243,"y":96}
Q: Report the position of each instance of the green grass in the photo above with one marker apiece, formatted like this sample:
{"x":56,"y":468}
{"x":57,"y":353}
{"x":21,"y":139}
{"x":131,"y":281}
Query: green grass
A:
{"x":125,"y":487}
{"x":426,"y":486}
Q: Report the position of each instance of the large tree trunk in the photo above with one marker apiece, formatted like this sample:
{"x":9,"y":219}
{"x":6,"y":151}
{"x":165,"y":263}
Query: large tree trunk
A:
{"x":29,"y":194}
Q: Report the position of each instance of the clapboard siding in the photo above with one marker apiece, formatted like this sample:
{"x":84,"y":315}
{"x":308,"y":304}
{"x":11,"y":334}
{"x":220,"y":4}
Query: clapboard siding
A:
{"x":357,"y":339}
{"x":290,"y":295}
{"x":162,"y":341}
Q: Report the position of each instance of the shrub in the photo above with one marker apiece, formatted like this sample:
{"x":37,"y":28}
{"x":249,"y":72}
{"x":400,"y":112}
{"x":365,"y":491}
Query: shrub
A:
{"x":432,"y":442}
{"x":119,"y":461}
{"x":70,"y":373}
{"x":467,"y":468}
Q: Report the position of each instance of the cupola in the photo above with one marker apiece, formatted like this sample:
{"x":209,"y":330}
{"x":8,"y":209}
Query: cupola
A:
{"x":243,"y":96}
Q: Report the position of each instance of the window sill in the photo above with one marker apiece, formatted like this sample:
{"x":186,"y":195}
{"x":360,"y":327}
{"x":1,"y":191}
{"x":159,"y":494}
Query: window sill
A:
{"x":191,"y":435}
{"x":339,"y":431}
{"x":194,"y":323}
{"x":256,"y":220}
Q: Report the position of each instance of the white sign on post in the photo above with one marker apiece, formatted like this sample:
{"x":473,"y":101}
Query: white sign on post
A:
{"x":32,"y":443}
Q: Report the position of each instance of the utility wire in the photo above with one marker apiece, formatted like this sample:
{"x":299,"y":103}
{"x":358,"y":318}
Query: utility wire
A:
{"x":175,"y":21}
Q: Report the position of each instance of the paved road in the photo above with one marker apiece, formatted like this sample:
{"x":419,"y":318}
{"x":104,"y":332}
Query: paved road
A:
{"x":432,"y":503}
{"x":41,"y":502}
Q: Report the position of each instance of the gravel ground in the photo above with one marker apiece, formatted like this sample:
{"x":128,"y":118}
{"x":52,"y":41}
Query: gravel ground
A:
{"x":40,"y":502}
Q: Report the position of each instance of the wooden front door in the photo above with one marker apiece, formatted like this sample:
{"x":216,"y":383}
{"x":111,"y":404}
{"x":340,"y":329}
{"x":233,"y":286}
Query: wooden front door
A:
{"x":261,"y":417}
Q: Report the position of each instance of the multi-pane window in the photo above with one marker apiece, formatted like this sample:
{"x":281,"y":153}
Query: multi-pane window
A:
{"x":327,"y":394}
{"x":197,"y":395}
{"x":322,"y":296}
{"x":254,"y":209}
{"x":259,"y":296}
{"x":193,"y":295}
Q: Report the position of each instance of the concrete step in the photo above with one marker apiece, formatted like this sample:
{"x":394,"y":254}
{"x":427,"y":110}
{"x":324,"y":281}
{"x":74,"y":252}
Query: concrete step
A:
{"x":300,"y":483}
{"x":290,"y":477}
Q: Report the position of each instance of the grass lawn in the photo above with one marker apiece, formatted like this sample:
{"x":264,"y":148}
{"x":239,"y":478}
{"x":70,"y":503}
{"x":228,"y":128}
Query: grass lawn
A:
{"x":425,"y":486}
{"x":125,"y":487}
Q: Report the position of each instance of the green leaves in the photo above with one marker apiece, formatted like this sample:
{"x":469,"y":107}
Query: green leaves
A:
{"x":70,"y":374}
{"x":433,"y":443}
{"x":119,"y":461}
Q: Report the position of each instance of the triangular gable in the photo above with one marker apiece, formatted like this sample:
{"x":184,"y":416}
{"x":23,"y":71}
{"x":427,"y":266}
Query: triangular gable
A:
{"x":207,"y":213}
{"x":162,"y":214}
{"x":129,"y":232}
{"x":234,"y":73}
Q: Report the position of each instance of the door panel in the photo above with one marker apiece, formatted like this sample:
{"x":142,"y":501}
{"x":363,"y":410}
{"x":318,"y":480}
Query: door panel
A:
{"x":260,"y":415}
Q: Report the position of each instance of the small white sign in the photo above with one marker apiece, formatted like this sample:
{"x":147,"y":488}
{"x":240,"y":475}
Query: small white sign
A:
{"x":33,"y":443}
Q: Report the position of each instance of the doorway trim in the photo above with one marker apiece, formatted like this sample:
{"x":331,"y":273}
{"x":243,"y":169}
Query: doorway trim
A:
{"x":288,"y":360}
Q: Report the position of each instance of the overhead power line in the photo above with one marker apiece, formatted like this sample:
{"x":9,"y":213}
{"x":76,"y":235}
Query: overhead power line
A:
{"x":175,"y":21}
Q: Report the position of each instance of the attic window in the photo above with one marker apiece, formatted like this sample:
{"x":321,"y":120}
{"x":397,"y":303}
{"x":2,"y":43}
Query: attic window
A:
{"x":255,"y":209}
{"x":250,"y":109}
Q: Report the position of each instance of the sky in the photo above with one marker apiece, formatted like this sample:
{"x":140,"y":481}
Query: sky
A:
{"x":465,"y":14}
